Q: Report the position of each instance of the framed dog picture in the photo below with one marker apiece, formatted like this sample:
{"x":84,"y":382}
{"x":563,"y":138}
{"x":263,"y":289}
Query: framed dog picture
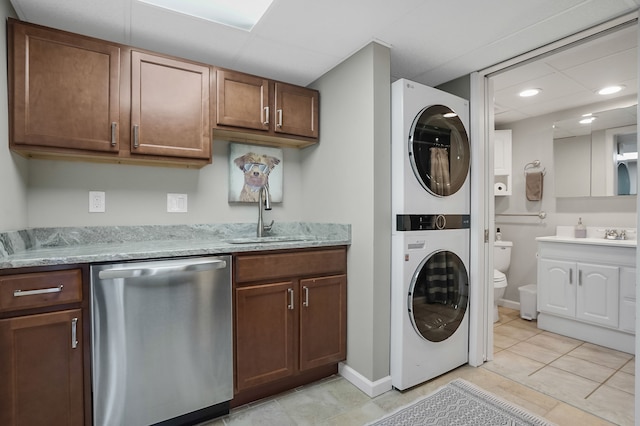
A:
{"x":250,"y":168}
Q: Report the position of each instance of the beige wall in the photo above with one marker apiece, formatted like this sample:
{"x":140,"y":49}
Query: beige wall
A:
{"x":347,"y":180}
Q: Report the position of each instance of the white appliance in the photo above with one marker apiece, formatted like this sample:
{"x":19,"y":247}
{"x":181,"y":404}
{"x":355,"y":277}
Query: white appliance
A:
{"x":429,"y":303}
{"x":430,"y":150}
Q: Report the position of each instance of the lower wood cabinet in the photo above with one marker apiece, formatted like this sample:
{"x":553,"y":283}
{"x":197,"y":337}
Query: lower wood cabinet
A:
{"x":42,"y":349}
{"x":290,"y":325}
{"x":41,"y":362}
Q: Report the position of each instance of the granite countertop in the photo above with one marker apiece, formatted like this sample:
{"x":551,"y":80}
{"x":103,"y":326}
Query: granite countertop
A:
{"x":72,"y":245}
{"x":592,"y":241}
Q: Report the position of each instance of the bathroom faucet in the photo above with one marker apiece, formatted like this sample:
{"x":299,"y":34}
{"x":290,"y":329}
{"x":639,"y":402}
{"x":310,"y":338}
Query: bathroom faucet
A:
{"x":263,"y":201}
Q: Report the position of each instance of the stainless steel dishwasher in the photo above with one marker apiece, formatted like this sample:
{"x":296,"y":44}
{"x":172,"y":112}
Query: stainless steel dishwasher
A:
{"x":162,"y":341}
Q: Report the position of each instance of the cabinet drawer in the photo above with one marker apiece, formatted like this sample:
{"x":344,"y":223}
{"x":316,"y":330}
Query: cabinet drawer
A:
{"x":27,"y":291}
{"x":281,"y":265}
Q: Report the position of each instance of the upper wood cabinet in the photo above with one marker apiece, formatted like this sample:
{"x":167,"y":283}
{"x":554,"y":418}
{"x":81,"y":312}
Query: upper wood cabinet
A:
{"x":64,"y":92}
{"x":254,"y":109}
{"x":77,"y":97}
{"x":169,"y":107}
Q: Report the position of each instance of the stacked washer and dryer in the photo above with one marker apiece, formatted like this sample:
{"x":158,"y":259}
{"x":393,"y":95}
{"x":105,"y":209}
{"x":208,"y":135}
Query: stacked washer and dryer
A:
{"x":431,"y":203}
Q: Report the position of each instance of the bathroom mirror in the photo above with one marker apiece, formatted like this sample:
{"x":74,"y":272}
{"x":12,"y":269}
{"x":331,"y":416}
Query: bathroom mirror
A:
{"x":599,"y":158}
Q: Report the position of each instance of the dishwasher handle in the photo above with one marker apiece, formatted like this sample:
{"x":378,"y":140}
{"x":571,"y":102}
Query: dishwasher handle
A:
{"x":141,"y":271}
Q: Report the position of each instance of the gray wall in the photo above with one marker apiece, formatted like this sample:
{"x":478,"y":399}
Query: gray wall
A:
{"x":13,"y":168}
{"x":532,"y":139}
{"x":347,"y":180}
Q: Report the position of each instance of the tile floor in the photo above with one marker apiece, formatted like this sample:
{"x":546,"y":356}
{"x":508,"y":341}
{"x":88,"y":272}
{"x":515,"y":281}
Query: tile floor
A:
{"x":567,"y":381}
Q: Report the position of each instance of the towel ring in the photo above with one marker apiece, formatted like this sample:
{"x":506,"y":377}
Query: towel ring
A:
{"x":534,"y":164}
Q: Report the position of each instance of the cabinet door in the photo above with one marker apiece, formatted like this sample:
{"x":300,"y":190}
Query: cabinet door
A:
{"x":41,"y":370}
{"x":323,"y":322}
{"x":265,"y":330}
{"x":296,"y":110}
{"x":598,"y":294}
{"x":557,"y":287}
{"x":65,"y":90}
{"x":628,"y":299}
{"x":169,"y":107}
{"x":242,"y":100}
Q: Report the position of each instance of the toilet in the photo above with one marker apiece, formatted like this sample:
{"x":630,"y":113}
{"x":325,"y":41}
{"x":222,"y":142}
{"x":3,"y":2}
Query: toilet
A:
{"x":501,"y":261}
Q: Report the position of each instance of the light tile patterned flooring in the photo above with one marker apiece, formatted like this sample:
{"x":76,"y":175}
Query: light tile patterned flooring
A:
{"x":567,"y":381}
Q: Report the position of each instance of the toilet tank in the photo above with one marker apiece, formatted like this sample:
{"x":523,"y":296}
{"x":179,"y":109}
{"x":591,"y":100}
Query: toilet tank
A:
{"x":502,"y":255}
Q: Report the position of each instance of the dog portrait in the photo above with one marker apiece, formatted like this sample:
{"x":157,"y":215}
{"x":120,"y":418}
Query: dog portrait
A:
{"x":252,"y":167}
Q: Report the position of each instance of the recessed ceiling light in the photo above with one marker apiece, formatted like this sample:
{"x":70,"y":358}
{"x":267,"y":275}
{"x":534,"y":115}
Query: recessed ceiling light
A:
{"x":529,"y":92}
{"x":587,"y":120}
{"x":610,"y":90}
{"x":238,"y":14}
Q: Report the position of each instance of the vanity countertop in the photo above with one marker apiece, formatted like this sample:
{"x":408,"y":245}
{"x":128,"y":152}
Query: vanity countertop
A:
{"x":591,"y":241}
{"x":73,"y":245}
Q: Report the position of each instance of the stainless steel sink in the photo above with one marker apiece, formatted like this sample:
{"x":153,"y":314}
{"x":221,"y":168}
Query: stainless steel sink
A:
{"x":269,"y":239}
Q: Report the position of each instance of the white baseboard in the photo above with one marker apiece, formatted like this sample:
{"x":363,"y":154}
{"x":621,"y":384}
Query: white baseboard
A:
{"x":509,"y":304}
{"x":372,"y":389}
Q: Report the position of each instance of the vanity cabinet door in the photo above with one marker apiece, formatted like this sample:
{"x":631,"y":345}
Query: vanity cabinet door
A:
{"x":557,"y":287}
{"x":628,"y":300}
{"x":598,"y":294}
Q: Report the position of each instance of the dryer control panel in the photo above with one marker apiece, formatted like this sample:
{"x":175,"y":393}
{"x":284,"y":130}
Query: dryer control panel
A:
{"x":428,"y":222}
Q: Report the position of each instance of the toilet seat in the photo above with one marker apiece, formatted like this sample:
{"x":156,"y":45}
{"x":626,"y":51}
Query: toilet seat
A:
{"x":499,"y":279}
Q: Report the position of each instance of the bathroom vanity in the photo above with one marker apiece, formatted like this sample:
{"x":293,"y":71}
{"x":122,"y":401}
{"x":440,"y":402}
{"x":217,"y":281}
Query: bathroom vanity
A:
{"x":586,"y":289}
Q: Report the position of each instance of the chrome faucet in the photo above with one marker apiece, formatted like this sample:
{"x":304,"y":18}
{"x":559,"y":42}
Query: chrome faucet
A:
{"x":263,"y":201}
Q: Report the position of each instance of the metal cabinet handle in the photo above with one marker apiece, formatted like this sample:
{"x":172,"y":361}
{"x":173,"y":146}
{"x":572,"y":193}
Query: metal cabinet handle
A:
{"x":20,"y":293}
{"x":74,"y":333}
{"x":266,"y":115}
{"x":279,"y":124}
{"x":290,"y":305}
{"x":187,"y":266}
{"x":571,"y":276}
{"x":136,"y":136}
{"x":114,"y":128}
{"x":306,"y":296}
{"x":579,"y":277}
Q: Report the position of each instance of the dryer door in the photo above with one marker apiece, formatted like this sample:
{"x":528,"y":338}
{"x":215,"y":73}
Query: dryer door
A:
{"x":438,"y":296}
{"x":439,"y":150}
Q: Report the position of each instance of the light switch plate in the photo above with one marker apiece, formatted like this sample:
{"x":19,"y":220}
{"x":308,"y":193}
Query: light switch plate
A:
{"x":177,"y":203}
{"x":97,"y":201}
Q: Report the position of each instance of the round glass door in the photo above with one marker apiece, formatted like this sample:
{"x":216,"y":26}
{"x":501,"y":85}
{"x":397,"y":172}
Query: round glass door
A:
{"x":439,"y":150}
{"x":438,"y":296}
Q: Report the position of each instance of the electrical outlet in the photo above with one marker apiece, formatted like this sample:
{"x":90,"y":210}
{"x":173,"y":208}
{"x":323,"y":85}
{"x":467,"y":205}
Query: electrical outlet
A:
{"x":97,"y":203}
{"x":176,"y":203}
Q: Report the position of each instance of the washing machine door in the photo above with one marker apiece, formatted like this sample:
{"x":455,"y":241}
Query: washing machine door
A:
{"x":439,"y":150}
{"x":438,"y":296}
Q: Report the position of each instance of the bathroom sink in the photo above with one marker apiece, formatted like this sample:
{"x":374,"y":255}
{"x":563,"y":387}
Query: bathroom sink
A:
{"x":269,"y":239}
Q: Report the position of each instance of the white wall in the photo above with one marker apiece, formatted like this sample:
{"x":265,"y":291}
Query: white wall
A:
{"x":347,"y":180}
{"x":13,"y":168}
{"x":533,"y":140}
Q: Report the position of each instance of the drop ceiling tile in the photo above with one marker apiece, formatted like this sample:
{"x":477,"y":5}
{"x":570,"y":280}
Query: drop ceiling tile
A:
{"x":184,"y":36}
{"x":612,"y":69}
